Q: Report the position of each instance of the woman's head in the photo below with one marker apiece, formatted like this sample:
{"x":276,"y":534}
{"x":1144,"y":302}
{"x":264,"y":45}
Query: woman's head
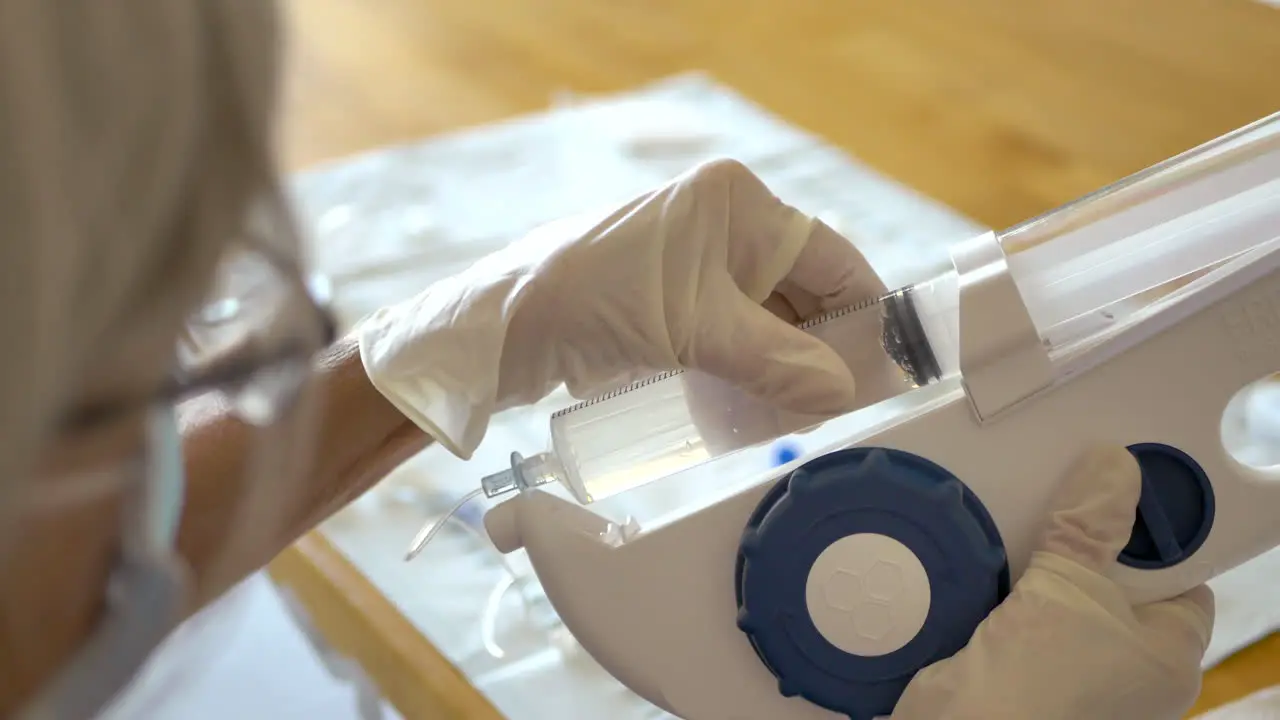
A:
{"x":133,"y":139}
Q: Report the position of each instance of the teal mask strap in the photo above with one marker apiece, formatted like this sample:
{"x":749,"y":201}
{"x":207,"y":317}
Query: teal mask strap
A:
{"x":145,"y":594}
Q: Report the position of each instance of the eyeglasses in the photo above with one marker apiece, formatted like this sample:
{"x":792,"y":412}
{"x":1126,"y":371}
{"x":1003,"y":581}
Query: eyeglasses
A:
{"x":251,"y":341}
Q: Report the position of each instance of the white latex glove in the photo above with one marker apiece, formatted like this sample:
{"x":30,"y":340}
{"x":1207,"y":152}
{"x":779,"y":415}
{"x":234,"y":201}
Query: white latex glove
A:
{"x":675,"y":278}
{"x":1066,"y":643}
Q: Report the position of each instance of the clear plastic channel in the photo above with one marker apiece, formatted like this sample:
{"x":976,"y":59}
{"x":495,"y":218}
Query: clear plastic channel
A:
{"x":1126,"y":246}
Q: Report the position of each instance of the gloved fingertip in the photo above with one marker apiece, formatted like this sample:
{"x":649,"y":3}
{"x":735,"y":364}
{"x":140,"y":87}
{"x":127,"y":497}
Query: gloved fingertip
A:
{"x":823,"y":388}
{"x":1103,"y":473}
{"x":832,"y":269}
{"x":1118,"y":468}
{"x":1183,"y":624}
{"x":774,"y":361}
{"x":804,"y":375}
{"x":1201,"y":601}
{"x":1093,"y":510}
{"x":807,"y":381}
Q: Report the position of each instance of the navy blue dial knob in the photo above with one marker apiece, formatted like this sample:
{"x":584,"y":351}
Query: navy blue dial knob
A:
{"x":1175,"y":510}
{"x":861,"y":567}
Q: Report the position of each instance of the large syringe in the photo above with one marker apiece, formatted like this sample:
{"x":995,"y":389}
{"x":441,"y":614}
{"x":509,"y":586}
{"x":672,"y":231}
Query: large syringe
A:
{"x":1080,"y":270}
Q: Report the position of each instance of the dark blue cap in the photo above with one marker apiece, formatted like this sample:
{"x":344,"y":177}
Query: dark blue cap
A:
{"x":854,"y":491}
{"x":1175,"y":510}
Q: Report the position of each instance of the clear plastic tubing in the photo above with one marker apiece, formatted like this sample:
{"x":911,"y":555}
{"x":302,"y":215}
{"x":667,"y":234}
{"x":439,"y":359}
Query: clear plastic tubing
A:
{"x":1109,"y":252}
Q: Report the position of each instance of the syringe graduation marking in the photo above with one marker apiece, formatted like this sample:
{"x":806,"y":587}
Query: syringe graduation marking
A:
{"x":668,"y":374}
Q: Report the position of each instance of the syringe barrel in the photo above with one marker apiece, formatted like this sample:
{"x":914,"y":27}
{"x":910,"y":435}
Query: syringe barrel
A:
{"x":676,"y":422}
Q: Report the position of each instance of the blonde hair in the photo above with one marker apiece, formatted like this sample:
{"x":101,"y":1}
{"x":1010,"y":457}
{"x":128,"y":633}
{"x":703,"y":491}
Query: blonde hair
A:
{"x":133,"y":138}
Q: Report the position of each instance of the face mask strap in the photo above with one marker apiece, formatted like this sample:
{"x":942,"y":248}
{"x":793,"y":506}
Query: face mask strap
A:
{"x":145,"y":594}
{"x":156,"y":529}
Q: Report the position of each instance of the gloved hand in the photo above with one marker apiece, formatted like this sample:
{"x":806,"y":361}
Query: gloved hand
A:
{"x":675,"y":278}
{"x":1066,"y":643}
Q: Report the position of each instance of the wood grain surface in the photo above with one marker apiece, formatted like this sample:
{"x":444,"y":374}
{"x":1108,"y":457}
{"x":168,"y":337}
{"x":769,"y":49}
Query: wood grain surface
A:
{"x":1001,"y":109}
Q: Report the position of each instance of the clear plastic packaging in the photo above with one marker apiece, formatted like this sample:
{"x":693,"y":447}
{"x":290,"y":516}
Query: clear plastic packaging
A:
{"x":1080,"y":269}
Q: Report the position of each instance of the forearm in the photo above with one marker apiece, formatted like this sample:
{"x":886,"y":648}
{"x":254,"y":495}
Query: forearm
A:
{"x":57,"y":579}
{"x":358,"y":438}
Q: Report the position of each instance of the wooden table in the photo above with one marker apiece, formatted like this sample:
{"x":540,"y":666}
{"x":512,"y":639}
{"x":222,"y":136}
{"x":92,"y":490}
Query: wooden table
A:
{"x":1001,"y":109}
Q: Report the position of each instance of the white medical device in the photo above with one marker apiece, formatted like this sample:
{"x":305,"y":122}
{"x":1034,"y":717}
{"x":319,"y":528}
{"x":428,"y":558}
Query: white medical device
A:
{"x":818,"y":588}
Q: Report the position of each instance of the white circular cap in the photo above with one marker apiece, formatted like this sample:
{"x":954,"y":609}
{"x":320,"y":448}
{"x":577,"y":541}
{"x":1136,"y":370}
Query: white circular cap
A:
{"x":868,"y":594}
